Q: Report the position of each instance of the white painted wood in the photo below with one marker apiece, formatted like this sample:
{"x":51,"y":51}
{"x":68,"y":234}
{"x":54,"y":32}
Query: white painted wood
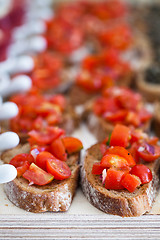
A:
{"x":63,"y":226}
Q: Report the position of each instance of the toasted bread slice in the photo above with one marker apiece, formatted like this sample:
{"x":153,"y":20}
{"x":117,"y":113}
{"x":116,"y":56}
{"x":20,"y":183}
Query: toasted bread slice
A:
{"x":150,"y":91}
{"x":117,"y":202}
{"x":56,"y":196}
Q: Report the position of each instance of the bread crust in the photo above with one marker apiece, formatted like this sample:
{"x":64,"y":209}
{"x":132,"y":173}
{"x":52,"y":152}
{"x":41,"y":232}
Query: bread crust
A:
{"x":150,"y":91}
{"x":119,"y":202}
{"x":56,"y":196}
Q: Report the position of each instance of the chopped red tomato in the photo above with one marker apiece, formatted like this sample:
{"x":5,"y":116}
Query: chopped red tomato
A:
{"x":112,"y":160}
{"x":118,"y":116}
{"x":58,"y":31}
{"x":153,"y":140}
{"x":144,"y":115}
{"x":143,"y":172}
{"x":130,"y":182}
{"x":149,"y":152}
{"x":47,"y":136}
{"x":113,"y":179}
{"x":58,"y":100}
{"x":90,"y":62}
{"x":122,"y":152}
{"x":104,"y":105}
{"x":22,"y":169}
{"x":22,"y":162}
{"x":72,"y":144}
{"x":57,"y":148}
{"x":41,"y":159}
{"x":38,"y":176}
{"x":19,"y":159}
{"x":134,"y":151}
{"x":97,"y":168}
{"x":59,"y":169}
{"x":90,"y":82}
{"x":118,"y":36}
{"x":120,"y":136}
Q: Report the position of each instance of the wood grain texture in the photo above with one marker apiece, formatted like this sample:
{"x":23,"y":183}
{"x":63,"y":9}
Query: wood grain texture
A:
{"x":63,"y":226}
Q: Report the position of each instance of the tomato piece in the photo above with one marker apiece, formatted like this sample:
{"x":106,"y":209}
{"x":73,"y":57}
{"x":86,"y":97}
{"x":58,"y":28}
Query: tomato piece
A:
{"x":46,"y":136}
{"x":153,"y":140}
{"x":90,"y":62}
{"x":112,"y":160}
{"x":89,"y":82}
{"x":149,"y":156}
{"x":118,"y":36}
{"x":97,"y":168}
{"x":132,"y":118}
{"x":72,"y":144}
{"x":104,"y":106}
{"x":37,"y":175}
{"x":59,"y":169}
{"x":118,"y":116}
{"x":19,"y":159}
{"x":122,"y":152}
{"x":134,"y":151}
{"x":58,"y":100}
{"x":130,"y":182}
{"x":21,"y":169}
{"x":42,"y":158}
{"x":143,"y":172}
{"x":57,"y":148}
{"x":120,"y":136}
{"x":144,"y":115}
{"x":113,"y":179}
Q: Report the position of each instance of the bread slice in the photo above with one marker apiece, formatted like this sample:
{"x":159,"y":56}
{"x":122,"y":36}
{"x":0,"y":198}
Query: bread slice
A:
{"x":55,"y":196}
{"x":150,"y":91}
{"x":117,"y":202}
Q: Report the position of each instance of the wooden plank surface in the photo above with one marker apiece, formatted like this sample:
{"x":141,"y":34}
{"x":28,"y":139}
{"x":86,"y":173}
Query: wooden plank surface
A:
{"x":61,"y":226}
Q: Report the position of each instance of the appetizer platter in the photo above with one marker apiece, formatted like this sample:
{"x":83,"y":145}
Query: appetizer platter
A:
{"x":81,"y":94}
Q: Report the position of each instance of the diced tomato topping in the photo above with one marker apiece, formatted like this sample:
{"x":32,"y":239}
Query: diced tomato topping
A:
{"x":113,"y":179}
{"x":143,"y":172}
{"x":122,"y":152}
{"x":19,"y":159}
{"x":103,"y":105}
{"x":57,"y":148}
{"x":46,"y":136}
{"x":153,"y":140}
{"x":147,"y":155}
{"x":118,"y":36}
{"x":58,"y":100}
{"x":59,"y":169}
{"x":21,"y":169}
{"x":90,"y":62}
{"x":120,"y":136}
{"x":112,"y":160}
{"x":37,"y":175}
{"x":118,"y":116}
{"x":72,"y":144}
{"x":41,"y":159}
{"x":97,"y":168}
{"x":133,"y":150}
{"x":130,"y":182}
{"x":144,"y":115}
